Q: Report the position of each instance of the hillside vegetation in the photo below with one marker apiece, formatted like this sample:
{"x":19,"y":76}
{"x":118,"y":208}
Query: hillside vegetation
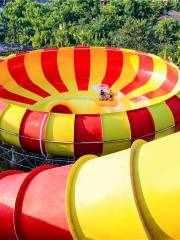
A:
{"x":137,"y":24}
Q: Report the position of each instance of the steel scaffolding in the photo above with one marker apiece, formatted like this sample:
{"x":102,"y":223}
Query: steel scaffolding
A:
{"x":29,"y":160}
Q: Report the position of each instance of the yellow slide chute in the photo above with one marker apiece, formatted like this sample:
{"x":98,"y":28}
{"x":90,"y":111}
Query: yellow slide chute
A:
{"x":133,"y":194}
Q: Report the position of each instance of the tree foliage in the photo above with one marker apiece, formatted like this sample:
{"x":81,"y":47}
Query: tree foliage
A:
{"x":120,"y":23}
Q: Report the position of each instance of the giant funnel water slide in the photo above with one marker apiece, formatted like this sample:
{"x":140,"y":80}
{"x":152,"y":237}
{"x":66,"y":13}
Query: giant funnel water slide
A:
{"x":49,"y":100}
{"x":133,"y":194}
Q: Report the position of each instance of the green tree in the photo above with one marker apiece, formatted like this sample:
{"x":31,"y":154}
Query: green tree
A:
{"x":127,"y":23}
{"x":167,"y":38}
{"x":134,"y":34}
{"x":12,"y":19}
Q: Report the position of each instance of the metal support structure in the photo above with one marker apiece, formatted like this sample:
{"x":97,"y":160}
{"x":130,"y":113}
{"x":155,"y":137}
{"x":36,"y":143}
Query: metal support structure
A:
{"x":28,"y":160}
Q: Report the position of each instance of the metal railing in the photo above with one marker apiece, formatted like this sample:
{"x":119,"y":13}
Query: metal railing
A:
{"x":30,"y":160}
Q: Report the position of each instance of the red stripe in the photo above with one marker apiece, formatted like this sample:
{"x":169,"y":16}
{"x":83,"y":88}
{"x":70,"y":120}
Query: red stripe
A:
{"x":174,"y":104}
{"x":82,"y":67}
{"x":137,"y":99}
{"x":142,"y":124}
{"x":143,"y":75}
{"x":50,"y":69}
{"x":88,"y":129}
{"x":14,"y":97}
{"x":50,"y":49}
{"x":168,"y":85}
{"x":114,"y":66}
{"x":17,"y":70}
{"x":30,"y":131}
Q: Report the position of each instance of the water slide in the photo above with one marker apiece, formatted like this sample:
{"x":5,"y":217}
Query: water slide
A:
{"x":49,"y":100}
{"x":132,"y":194}
{"x":51,"y":103}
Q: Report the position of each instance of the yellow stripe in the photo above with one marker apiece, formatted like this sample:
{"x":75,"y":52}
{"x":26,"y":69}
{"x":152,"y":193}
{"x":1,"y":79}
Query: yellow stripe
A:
{"x":3,"y":106}
{"x":98,"y":64}
{"x":65,"y":61}
{"x":2,"y":110}
{"x":60,"y":128}
{"x":34,"y":70}
{"x":157,"y":78}
{"x":18,"y":104}
{"x":163,"y":119}
{"x":155,"y":170}
{"x":162,"y":98}
{"x":9,"y":83}
{"x":115,"y":127}
{"x":176,"y":90}
{"x":129,"y":70}
{"x":11,"y":121}
{"x":156,"y":100}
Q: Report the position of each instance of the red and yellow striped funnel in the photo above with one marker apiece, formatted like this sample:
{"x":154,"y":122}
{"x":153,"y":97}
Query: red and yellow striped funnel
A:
{"x":50,"y":100}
